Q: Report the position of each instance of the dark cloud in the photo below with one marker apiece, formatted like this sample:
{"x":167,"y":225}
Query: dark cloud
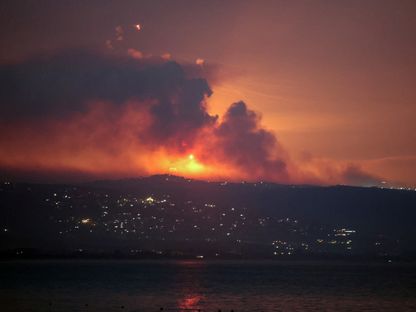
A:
{"x":62,"y":84}
{"x":251,"y":147}
{"x":184,"y":111}
{"x":354,"y":175}
{"x":121,"y":109}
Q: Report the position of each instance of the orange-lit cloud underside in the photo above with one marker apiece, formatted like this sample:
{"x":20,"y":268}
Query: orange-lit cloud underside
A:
{"x":105,"y":142}
{"x":102,"y":142}
{"x":105,"y":116}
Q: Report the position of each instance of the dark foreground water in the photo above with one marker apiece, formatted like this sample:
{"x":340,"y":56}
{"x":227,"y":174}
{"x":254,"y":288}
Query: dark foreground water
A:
{"x":209,"y":286}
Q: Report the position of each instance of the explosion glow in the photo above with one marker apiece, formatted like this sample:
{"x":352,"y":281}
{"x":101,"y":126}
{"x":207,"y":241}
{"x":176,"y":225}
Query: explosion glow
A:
{"x":187,"y":166}
{"x":153,"y":119}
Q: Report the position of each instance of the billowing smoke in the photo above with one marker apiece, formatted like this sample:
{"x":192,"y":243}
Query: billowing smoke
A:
{"x":63,"y":84}
{"x":112,"y":116}
{"x":248,"y":146}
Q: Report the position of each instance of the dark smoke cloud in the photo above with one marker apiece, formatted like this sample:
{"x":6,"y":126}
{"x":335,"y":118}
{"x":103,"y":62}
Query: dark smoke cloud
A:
{"x":58,"y":89}
{"x":65,"y":83}
{"x":251,"y":147}
{"x":354,"y":175}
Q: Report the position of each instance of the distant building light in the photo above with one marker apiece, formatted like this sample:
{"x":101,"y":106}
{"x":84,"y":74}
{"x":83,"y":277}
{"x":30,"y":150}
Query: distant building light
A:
{"x":150,"y":199}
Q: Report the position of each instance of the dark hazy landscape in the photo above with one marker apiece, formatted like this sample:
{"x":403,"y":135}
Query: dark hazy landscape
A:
{"x":167,"y":216}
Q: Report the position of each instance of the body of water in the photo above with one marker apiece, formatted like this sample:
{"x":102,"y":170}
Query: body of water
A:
{"x":206,"y":285}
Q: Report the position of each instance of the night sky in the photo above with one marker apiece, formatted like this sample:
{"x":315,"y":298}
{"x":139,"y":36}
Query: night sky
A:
{"x":317,"y":92}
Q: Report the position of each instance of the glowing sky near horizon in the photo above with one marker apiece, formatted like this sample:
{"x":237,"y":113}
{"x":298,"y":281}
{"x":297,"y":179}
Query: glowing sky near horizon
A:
{"x":334,"y":81}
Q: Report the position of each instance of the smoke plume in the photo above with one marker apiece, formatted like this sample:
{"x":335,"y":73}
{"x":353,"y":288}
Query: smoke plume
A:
{"x":110,"y":116}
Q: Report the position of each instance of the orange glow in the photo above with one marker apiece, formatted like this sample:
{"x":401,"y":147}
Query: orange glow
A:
{"x":135,"y":53}
{"x":101,"y":143}
{"x":111,"y":142}
{"x":189,"y":302}
{"x":199,"y":61}
{"x":187,"y":166}
{"x":166,"y":56}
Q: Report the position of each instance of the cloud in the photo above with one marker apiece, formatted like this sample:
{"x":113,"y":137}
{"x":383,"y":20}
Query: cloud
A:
{"x":253,"y":149}
{"x":108,"y":115}
{"x":353,"y":174}
{"x":57,"y":94}
{"x":66,"y":83}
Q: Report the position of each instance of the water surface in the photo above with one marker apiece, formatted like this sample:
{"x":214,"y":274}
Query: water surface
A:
{"x":206,"y":285}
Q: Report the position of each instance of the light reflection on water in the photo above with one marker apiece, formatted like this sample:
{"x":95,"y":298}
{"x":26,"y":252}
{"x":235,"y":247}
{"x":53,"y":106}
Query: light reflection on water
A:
{"x":209,"y":286}
{"x":190,"y":277}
